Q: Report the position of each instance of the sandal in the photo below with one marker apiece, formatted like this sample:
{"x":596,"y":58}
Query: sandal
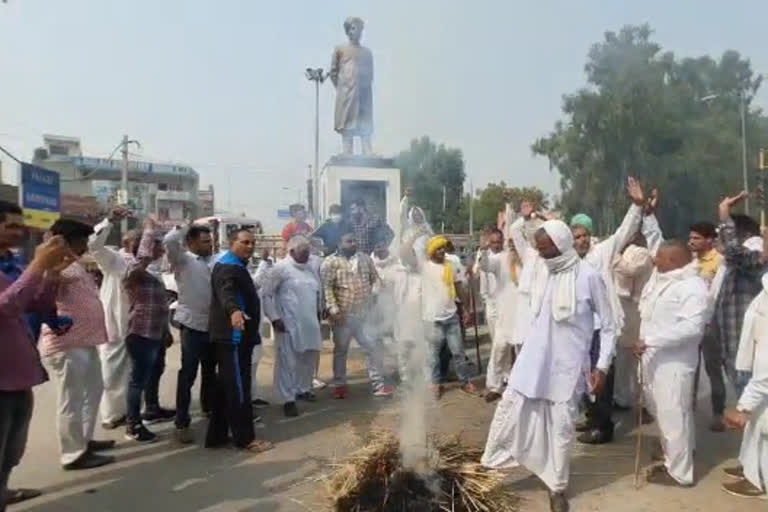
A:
{"x":470,"y":389}
{"x":259,"y":446}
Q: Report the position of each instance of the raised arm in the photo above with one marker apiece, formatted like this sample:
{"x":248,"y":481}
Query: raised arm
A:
{"x":631,"y":223}
{"x":634,"y":262}
{"x":108,"y":259}
{"x":174,"y":246}
{"x":736,"y":255}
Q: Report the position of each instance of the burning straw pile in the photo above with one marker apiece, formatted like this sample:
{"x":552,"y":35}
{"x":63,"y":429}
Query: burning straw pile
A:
{"x":373,"y":479}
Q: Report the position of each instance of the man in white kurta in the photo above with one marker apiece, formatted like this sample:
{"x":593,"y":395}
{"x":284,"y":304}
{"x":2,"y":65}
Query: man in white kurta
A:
{"x":534,"y":422}
{"x":115,"y":364}
{"x":291,"y":297}
{"x":496,"y":275}
{"x":751,"y":413}
{"x":673,"y":312}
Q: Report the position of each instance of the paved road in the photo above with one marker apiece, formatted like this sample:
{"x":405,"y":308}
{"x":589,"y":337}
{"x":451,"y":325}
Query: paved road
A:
{"x":167,"y":477}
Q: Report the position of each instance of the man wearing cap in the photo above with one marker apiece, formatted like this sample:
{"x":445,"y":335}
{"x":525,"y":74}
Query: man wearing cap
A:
{"x":534,"y":422}
{"x":598,"y":428}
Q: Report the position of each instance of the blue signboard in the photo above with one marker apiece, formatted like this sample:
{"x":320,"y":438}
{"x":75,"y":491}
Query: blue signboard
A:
{"x":40,"y":196}
{"x":283,"y":214}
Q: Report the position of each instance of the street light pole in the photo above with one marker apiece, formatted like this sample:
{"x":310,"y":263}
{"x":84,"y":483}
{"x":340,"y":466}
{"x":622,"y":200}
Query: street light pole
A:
{"x":318,"y":76}
{"x":124,"y":184}
{"x":743,"y":108}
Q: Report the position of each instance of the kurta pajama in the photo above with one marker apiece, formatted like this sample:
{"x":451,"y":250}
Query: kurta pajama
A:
{"x":673,"y":311}
{"x":292,"y":294}
{"x":534,"y":422}
{"x":115,"y":363}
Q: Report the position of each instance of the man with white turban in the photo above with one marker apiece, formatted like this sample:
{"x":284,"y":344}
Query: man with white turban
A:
{"x":673,"y":314}
{"x":534,"y":421}
{"x":291,"y":297}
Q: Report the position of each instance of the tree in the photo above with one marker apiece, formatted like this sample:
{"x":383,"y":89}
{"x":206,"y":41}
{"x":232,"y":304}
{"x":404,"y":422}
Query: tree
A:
{"x":428,"y":170}
{"x":646,"y":113}
{"x":492,"y":199}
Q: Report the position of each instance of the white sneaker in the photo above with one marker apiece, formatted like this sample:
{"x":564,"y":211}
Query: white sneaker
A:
{"x":318,"y":384}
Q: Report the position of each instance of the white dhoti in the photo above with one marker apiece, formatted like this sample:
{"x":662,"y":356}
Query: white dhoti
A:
{"x":669,"y":395}
{"x":534,"y":433}
{"x":500,"y":359}
{"x":77,"y":373}
{"x":753,"y":455}
{"x":115,"y":372}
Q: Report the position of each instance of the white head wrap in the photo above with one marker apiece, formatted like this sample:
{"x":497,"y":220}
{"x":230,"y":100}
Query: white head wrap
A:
{"x":560,"y":234}
{"x":298,"y":241}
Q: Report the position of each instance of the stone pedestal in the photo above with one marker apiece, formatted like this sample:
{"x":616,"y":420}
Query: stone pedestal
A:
{"x":376,"y":180}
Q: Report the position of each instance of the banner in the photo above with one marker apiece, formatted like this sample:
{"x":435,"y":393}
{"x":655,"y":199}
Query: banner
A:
{"x":39,"y":196}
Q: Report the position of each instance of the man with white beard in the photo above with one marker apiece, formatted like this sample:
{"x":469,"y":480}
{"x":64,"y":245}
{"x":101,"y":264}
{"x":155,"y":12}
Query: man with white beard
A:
{"x":115,"y":364}
{"x":497,"y":272}
{"x":291,"y":296}
{"x":673,"y":314}
{"x":534,"y":422}
{"x":751,"y":413}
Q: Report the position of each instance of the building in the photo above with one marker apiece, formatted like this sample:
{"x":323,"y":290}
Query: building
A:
{"x":166,"y":190}
{"x":206,"y":202}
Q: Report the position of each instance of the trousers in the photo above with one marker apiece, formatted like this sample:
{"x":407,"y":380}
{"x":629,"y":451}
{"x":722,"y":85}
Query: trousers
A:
{"x":599,"y":412}
{"x":232,"y":410}
{"x":115,"y":372}
{"x":144,"y":353}
{"x":15,"y":415}
{"x":77,"y":374}
{"x":293,"y":370}
{"x":450,"y":332}
{"x":354,"y":327}
{"x":196,"y":351}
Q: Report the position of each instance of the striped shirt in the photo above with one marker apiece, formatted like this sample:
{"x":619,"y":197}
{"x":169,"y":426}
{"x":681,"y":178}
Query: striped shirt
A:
{"x":78,"y":298}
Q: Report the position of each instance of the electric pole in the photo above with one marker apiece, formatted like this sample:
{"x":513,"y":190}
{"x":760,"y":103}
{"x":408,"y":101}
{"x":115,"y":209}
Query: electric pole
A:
{"x":318,"y":76}
{"x":124,"y":185}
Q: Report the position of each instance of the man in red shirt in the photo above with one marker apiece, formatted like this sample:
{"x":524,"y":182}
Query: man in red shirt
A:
{"x":298,"y":226}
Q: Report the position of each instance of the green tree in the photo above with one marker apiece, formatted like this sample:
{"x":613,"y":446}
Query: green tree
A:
{"x":645,"y":112}
{"x":428,"y":169}
{"x":492,"y":199}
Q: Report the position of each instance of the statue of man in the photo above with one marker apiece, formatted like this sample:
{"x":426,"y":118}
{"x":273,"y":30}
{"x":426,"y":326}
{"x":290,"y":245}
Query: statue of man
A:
{"x":352,"y":76}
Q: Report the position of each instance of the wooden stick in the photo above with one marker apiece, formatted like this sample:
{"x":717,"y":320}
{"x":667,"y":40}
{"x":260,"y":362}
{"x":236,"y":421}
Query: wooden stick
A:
{"x":639,"y":445}
{"x":477,"y":336}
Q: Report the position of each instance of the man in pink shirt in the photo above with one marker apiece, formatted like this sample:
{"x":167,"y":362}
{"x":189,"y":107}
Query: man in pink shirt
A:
{"x":72,"y":358}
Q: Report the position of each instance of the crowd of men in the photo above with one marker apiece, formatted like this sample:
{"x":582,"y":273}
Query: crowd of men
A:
{"x":575,"y":324}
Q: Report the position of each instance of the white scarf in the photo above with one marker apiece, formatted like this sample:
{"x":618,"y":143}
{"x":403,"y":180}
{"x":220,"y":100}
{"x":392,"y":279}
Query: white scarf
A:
{"x":746,"y":354}
{"x":658,"y":284}
{"x":560,"y":269}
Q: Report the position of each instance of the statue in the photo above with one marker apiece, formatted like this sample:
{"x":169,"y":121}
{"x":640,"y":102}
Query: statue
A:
{"x":352,"y":76}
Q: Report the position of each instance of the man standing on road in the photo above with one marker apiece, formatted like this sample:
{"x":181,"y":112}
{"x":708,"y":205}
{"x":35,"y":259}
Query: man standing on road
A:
{"x":147,"y":327}
{"x":115,"y":363}
{"x":34,"y":290}
{"x":348,"y":278}
{"x":673,"y":311}
{"x":73,"y":359}
{"x":234,"y":330}
{"x":291,"y":298}
{"x":192,"y":271}
{"x":701,"y":242}
{"x":534,"y":421}
{"x":599,"y":426}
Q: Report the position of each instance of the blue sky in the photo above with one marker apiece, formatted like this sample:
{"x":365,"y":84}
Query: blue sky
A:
{"x":219,"y":84}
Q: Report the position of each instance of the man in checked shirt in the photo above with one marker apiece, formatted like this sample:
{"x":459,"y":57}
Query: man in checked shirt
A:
{"x":348,"y":277}
{"x":147,"y":325}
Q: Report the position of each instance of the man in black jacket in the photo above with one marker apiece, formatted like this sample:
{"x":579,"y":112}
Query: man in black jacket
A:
{"x":234,"y":331}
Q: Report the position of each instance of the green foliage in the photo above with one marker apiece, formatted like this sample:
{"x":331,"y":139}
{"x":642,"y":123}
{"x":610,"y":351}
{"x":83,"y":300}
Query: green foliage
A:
{"x":492,"y":199}
{"x":642,"y":114}
{"x":427,"y":168}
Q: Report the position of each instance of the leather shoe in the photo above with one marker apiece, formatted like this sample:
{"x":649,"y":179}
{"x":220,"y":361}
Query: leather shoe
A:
{"x":89,"y":460}
{"x":290,"y":409}
{"x":558,"y":502}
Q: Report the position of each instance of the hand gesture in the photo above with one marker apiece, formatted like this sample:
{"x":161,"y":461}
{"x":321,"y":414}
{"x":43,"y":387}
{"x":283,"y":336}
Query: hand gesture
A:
{"x":150,"y":223}
{"x":597,"y":381}
{"x":526,"y":209}
{"x":238,"y":319}
{"x":53,"y":255}
{"x":639,"y":349}
{"x":118,"y":213}
{"x":652,"y":203}
{"x":635,"y":191}
{"x":736,"y":419}
{"x":729,"y":202}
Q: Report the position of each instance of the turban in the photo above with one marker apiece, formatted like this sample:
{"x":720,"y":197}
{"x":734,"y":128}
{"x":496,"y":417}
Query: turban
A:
{"x":583,"y":220}
{"x":435,"y":243}
{"x":560,"y":234}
